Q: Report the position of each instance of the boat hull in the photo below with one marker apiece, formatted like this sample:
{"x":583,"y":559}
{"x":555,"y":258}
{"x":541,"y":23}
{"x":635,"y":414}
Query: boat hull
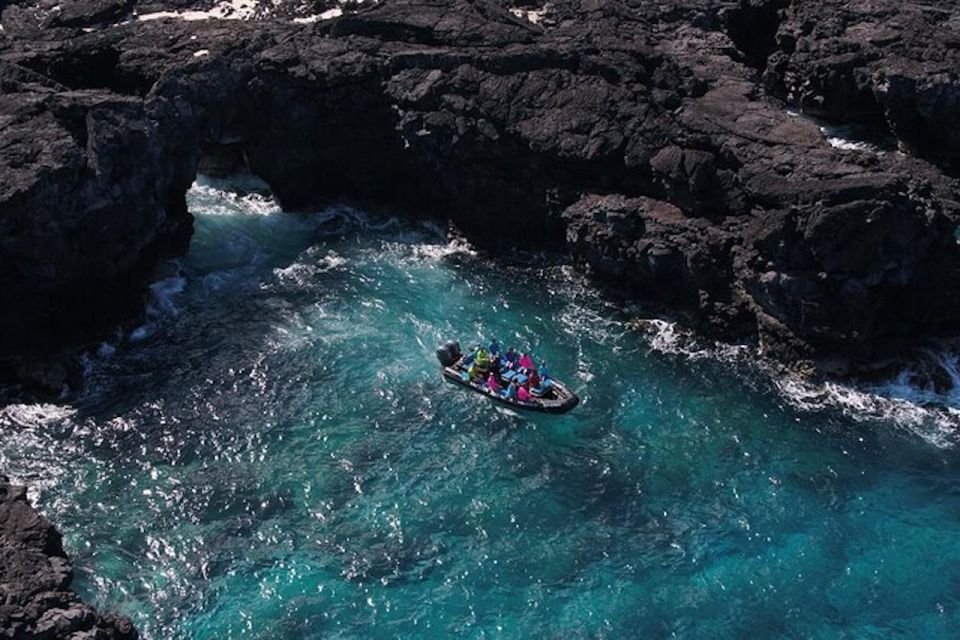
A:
{"x":564,"y":399}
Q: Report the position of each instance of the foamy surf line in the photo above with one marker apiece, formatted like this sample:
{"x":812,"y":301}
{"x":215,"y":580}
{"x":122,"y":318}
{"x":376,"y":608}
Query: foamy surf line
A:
{"x":933,"y":417}
{"x":32,"y":416}
{"x":937,"y":425}
{"x":222,"y":197}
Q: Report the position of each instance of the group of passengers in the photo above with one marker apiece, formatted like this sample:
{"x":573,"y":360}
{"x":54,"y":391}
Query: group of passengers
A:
{"x":508,"y":373}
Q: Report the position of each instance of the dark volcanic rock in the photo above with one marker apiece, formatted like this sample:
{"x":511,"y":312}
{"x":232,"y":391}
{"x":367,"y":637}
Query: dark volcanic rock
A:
{"x":684,"y":262}
{"x":89,"y":197}
{"x":894,"y":63}
{"x":641,"y":133}
{"x":35,"y":574}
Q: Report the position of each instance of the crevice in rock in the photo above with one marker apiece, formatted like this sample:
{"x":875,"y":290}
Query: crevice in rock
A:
{"x":88,"y":69}
{"x":752,"y":25}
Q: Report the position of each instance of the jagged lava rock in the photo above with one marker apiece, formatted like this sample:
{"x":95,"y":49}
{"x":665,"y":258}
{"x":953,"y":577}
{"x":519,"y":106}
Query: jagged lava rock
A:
{"x":35,"y":574}
{"x":580,"y":120}
{"x":896,"y":64}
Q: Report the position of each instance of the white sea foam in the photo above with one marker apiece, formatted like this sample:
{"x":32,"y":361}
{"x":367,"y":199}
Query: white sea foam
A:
{"x":937,"y":424}
{"x":848,"y":137}
{"x":161,"y":304}
{"x":141,"y":333}
{"x":670,"y":337}
{"x":220,"y":200}
{"x":847,"y":144}
{"x":427,"y":242}
{"x":909,"y":399}
{"x":850,"y":145}
{"x":329,"y":14}
{"x":301,"y":274}
{"x":227,"y":10}
{"x":31,"y":416}
{"x":162,"y":294}
{"x":925,"y":412}
{"x":245,"y":10}
{"x":531,"y":15}
{"x":436,"y":252}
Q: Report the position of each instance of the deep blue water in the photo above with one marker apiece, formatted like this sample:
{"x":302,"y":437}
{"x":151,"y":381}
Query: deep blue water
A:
{"x":274,"y":455}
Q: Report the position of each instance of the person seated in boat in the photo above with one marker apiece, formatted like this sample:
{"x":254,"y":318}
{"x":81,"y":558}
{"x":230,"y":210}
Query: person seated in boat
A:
{"x":511,"y":357}
{"x":492,"y":383}
{"x":494,"y":348}
{"x":544,"y":372}
{"x":534,"y":380}
{"x":522,"y":394}
{"x":525,"y":362}
{"x":510,"y":391}
{"x":482,"y":361}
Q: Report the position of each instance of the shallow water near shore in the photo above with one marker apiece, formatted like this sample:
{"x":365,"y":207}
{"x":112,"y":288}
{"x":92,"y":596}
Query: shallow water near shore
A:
{"x":274,"y":454}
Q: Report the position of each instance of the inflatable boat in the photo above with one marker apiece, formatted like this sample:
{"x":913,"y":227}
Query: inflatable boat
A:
{"x":551,"y":397}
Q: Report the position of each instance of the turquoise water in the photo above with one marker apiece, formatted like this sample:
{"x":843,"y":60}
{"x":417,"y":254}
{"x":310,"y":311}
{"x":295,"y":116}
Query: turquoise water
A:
{"x":273,"y":454}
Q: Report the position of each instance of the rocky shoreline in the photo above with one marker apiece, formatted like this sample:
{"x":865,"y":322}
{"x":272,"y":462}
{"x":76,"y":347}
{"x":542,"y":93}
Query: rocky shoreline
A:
{"x":573,"y":126}
{"x":659,"y":143}
{"x":35,"y":574}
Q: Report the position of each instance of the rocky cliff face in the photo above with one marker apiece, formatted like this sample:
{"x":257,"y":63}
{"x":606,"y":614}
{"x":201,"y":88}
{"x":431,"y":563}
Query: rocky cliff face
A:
{"x":35,"y":599}
{"x":654,"y":141}
{"x":893,"y":64}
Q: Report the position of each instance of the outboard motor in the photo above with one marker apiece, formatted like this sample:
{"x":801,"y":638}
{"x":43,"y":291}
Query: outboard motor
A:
{"x":448,"y":353}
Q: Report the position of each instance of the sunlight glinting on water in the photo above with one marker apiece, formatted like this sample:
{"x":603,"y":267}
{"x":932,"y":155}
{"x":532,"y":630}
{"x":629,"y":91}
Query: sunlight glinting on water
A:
{"x":274,"y":454}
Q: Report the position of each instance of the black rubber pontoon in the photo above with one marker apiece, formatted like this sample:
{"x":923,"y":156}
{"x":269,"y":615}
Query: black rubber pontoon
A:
{"x":558,"y":398}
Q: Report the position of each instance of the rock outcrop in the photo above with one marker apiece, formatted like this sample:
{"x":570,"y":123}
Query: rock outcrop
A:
{"x":35,"y":573}
{"x":895,"y":64}
{"x":652,"y":140}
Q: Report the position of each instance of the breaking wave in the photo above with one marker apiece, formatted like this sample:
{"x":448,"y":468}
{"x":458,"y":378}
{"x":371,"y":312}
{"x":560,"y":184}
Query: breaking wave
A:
{"x":907,"y":400}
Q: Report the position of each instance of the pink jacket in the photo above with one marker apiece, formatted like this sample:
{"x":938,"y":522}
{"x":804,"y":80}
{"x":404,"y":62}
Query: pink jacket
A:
{"x":522,"y":394}
{"x":492,"y":383}
{"x":526,"y":361}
